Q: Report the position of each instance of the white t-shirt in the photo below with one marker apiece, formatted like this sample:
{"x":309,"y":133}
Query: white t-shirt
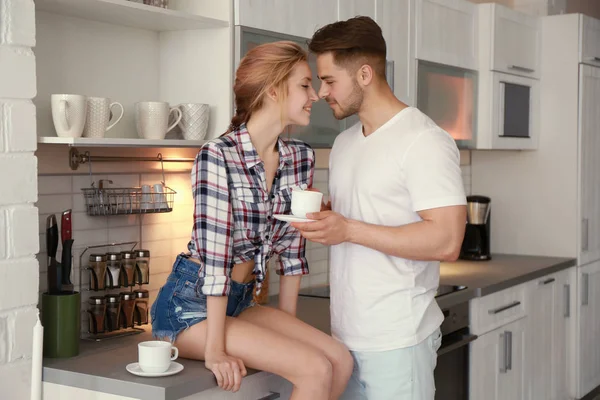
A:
{"x":409,"y":164}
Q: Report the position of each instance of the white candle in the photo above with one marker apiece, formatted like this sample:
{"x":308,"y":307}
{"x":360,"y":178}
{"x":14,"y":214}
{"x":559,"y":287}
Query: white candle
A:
{"x":36,"y":360}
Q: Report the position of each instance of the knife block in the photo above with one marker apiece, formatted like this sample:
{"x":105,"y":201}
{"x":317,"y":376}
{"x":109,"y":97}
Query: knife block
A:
{"x":61,"y":318}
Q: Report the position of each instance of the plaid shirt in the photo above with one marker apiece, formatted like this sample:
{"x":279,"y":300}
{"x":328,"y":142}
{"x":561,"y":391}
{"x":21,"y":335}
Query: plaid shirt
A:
{"x":233,"y":216}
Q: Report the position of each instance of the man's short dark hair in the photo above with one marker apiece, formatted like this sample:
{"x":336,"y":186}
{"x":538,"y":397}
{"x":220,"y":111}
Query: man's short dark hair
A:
{"x":354,"y":42}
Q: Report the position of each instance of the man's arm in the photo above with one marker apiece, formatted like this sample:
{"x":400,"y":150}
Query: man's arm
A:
{"x":437,"y":237}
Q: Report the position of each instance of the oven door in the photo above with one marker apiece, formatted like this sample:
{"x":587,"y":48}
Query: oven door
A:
{"x":452,"y":371}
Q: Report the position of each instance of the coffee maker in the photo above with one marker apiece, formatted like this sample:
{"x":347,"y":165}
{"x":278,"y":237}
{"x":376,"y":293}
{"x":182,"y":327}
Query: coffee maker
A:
{"x":476,"y":243}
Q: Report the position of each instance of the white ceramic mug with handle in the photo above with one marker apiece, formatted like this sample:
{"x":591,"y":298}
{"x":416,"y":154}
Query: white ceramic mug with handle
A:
{"x":68,"y":114}
{"x":152,"y":119}
{"x":97,"y":122}
{"x":155,"y":356}
{"x":194,"y":120}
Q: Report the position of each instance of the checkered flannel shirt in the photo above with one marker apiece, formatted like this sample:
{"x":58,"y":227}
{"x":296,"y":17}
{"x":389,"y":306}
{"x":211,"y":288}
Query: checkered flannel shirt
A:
{"x":233,"y":215}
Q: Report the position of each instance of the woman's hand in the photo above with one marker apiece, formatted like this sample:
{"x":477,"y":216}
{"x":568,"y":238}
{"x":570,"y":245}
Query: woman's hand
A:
{"x":228,"y":370}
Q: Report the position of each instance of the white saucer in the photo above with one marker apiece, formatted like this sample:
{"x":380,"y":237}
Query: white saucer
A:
{"x":135,"y":369}
{"x":292,"y":218}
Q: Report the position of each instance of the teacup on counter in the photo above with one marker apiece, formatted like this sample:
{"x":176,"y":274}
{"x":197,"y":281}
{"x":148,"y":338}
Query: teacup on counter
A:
{"x":155,"y":356}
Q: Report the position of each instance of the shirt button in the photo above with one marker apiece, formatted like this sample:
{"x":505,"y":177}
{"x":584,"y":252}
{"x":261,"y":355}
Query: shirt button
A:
{"x":268,"y":217}
{"x":257,"y":251}
{"x":272,"y":196}
{"x":267,"y":237}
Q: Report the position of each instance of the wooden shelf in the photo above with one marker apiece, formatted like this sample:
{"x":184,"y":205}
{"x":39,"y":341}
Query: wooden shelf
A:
{"x":127,"y":13}
{"x":119,"y":142}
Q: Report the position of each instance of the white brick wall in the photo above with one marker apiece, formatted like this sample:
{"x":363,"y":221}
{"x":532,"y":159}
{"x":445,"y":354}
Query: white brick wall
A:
{"x":19,"y":269}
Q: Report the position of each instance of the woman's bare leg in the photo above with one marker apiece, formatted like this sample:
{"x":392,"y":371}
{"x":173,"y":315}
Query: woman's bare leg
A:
{"x":305,"y":366}
{"x":283,"y":323}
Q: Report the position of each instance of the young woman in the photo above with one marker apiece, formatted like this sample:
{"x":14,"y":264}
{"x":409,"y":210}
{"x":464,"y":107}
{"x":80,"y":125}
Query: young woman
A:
{"x":240,"y":181}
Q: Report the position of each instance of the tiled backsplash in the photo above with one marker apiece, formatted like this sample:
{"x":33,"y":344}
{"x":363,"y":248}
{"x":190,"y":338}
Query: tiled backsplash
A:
{"x":165,"y":235}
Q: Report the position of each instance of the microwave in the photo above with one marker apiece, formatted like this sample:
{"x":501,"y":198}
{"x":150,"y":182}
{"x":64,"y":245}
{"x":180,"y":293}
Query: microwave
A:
{"x":448,"y":95}
{"x":508,"y":106}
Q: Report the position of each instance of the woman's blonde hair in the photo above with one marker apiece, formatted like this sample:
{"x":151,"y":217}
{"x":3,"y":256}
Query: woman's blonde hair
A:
{"x":263,"y":68}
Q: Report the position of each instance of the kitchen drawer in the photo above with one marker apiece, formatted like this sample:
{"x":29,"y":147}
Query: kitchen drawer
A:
{"x":497,"y":309}
{"x":589,"y":51}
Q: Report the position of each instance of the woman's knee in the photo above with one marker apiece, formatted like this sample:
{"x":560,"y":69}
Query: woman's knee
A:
{"x":342,"y":360}
{"x":317,"y":368}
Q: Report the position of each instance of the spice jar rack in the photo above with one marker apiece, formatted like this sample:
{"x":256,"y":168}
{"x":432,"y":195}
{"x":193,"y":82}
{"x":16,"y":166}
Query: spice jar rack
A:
{"x":115,"y":314}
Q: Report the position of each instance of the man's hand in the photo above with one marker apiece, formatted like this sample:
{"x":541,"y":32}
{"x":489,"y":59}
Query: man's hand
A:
{"x":330,"y":228}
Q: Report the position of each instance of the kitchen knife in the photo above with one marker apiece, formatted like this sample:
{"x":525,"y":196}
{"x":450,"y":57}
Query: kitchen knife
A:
{"x":54,"y":272}
{"x":67,"y":245}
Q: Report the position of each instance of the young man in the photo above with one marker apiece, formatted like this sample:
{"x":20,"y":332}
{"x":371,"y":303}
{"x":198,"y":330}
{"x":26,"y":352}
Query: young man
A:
{"x":397,"y":210}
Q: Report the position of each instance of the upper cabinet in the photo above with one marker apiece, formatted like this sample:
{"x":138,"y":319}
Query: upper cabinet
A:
{"x":508,"y":90}
{"x":396,"y":19}
{"x":298,"y":18}
{"x":515,"y":40}
{"x":446,"y":32}
{"x":589,"y":51}
{"x":352,"y":8}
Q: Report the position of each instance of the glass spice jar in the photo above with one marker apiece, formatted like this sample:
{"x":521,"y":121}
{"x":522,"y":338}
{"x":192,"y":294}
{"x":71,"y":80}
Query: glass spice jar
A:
{"x":143,"y":267}
{"x":97,"y":267}
{"x":141,"y":306}
{"x":97,"y":311}
{"x":127,"y":307}
{"x":113,"y":270}
{"x":128,"y":268}
{"x":113,"y":310}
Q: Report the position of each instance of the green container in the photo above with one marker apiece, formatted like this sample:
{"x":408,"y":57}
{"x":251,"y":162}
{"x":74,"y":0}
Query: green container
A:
{"x":61,"y":318}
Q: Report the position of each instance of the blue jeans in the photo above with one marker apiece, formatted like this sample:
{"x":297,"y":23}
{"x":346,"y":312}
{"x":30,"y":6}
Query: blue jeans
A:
{"x":400,"y":374}
{"x":181,"y":303}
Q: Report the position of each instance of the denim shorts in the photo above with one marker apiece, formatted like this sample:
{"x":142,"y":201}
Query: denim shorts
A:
{"x":180,"y":302}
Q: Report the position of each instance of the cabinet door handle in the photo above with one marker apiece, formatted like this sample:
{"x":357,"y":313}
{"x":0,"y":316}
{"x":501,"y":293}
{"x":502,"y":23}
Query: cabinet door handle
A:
{"x":271,"y":396}
{"x":547,"y":281}
{"x":509,"y":362}
{"x":504,"y":366}
{"x":585,"y":296}
{"x":519,"y":68}
{"x":504,"y":308}
{"x":567,"y":301}
{"x":585,"y":234}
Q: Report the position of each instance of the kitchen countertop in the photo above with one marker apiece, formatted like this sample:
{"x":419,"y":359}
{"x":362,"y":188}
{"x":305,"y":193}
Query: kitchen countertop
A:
{"x":501,"y":272}
{"x":100,"y":366}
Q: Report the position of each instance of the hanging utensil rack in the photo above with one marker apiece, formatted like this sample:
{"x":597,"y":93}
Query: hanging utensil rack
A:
{"x":76,"y":158}
{"x":97,"y":337}
{"x":101,"y":201}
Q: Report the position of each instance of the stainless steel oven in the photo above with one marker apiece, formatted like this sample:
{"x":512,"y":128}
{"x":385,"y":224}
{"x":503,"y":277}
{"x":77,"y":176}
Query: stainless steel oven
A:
{"x":452,"y":371}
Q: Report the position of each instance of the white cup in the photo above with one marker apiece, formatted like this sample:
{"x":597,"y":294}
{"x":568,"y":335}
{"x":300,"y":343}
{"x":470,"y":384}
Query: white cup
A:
{"x":152,"y":119}
{"x":146,"y":200}
{"x":155,"y":356}
{"x":194,"y":120}
{"x":68,"y":114}
{"x":305,"y":201}
{"x":98,"y":118}
{"x":160,"y":198}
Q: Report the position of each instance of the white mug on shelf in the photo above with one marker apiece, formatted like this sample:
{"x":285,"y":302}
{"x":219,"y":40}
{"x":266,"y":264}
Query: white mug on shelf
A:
{"x":152,"y":119}
{"x":194,"y":120}
{"x":98,"y":118}
{"x":68,"y":114}
{"x":155,"y":356}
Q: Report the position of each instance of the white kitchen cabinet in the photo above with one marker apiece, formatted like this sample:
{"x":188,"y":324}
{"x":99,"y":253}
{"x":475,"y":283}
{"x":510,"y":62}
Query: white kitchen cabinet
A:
{"x":590,"y":40}
{"x":589,"y":328}
{"x":589,"y":150}
{"x":446,"y":32}
{"x":549,"y":326}
{"x":498,"y":364}
{"x":352,"y":8}
{"x":396,"y":19}
{"x":509,"y":41}
{"x":298,"y":18}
